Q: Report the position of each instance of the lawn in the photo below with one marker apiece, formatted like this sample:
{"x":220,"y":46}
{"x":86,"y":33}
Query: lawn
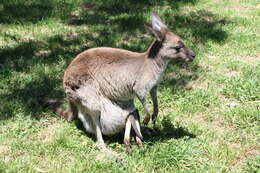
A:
{"x":209,"y":117}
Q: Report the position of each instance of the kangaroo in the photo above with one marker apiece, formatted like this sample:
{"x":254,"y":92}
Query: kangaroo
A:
{"x":101,"y":83}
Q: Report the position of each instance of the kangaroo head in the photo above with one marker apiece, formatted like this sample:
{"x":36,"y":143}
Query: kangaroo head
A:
{"x":170,"y":45}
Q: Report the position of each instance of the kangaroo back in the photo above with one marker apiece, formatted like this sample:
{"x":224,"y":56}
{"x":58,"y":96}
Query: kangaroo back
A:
{"x":109,"y":69}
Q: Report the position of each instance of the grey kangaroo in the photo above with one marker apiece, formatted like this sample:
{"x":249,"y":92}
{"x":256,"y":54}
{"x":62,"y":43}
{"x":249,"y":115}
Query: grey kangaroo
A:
{"x":101,"y":83}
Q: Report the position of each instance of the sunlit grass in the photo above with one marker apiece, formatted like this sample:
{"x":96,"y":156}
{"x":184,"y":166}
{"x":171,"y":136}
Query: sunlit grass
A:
{"x":209,"y":109}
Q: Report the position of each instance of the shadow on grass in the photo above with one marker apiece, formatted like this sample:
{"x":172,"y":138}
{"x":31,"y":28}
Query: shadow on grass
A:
{"x":37,"y":60}
{"x":34,"y":11}
{"x":167,"y":131}
{"x":109,"y":20}
{"x":129,"y":16}
{"x":30,"y":97}
{"x":27,"y":54}
{"x":179,"y":74}
{"x":99,"y":11}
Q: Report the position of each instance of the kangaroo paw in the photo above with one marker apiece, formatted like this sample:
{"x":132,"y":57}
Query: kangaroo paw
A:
{"x":146,"y":119}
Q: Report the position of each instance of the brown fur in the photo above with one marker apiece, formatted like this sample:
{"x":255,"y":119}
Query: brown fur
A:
{"x":81,"y":68}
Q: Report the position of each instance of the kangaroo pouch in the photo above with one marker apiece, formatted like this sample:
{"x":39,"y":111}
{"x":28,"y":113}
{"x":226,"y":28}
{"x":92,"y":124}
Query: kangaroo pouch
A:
{"x":114,"y":114}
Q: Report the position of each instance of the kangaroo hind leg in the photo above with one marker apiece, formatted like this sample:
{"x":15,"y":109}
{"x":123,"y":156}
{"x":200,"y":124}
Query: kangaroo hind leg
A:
{"x":133,"y":120}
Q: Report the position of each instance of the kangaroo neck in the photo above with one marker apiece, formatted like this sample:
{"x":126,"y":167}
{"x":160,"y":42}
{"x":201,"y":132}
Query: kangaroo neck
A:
{"x":155,"y":65}
{"x":154,"y":58}
{"x":154,"y":49}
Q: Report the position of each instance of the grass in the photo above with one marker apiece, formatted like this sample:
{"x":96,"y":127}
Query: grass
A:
{"x":209,"y":109}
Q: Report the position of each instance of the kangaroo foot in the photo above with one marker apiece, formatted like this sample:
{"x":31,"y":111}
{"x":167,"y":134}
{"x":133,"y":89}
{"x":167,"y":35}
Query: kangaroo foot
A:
{"x":108,"y":154}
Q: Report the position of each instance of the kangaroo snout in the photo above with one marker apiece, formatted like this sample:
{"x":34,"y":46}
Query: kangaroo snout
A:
{"x":191,"y":56}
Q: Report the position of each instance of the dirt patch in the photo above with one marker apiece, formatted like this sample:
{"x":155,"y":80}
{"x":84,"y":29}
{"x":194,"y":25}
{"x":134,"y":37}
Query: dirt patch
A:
{"x":5,"y":153}
{"x":201,"y":120}
{"x":47,"y":134}
{"x":251,"y":60}
{"x":241,"y":10}
{"x":198,"y":84}
{"x":4,"y":150}
{"x":232,"y":73}
{"x":88,"y":7}
{"x":240,"y":161}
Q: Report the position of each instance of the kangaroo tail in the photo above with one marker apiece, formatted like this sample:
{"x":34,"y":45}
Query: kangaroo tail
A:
{"x":55,"y":105}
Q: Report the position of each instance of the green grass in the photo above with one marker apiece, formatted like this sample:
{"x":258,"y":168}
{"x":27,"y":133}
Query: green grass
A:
{"x":209,"y":119}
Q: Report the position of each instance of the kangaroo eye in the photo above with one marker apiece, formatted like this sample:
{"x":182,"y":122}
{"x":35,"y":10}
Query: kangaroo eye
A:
{"x":177,"y":48}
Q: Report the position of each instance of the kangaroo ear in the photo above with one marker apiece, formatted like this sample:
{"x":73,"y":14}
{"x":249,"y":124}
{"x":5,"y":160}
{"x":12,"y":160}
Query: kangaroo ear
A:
{"x":158,"y":27}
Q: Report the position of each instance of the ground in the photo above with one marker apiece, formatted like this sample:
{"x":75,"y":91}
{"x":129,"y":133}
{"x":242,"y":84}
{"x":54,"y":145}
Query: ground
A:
{"x":209,"y":118}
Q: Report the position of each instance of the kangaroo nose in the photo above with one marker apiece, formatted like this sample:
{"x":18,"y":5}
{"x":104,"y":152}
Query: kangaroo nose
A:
{"x":192,"y":54}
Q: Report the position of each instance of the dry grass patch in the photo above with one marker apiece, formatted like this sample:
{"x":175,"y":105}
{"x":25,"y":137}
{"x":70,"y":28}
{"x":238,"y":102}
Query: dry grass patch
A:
{"x":214,"y":123}
{"x":251,"y":60}
{"x":232,"y":73}
{"x":222,"y":137}
{"x":5,"y":152}
{"x":244,"y":155}
{"x":48,"y":133}
{"x":200,"y":83}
